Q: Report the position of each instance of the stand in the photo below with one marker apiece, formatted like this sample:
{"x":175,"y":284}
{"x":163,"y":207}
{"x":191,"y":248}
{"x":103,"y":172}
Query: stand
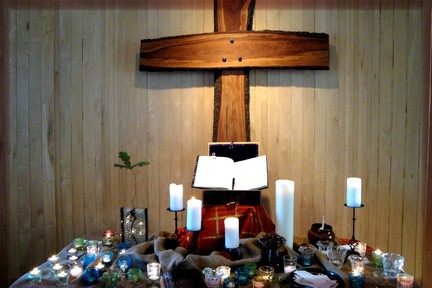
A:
{"x":193,"y":249}
{"x":235,"y":253}
{"x":353,"y":241}
{"x":175,"y":236}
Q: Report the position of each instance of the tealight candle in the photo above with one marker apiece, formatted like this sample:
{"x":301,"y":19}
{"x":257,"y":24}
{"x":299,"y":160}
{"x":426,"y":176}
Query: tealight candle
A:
{"x":35,"y":275}
{"x":63,"y":278}
{"x":100,"y":266}
{"x":107,"y":258}
{"x":72,"y":251}
{"x":53,"y":260}
{"x":376,"y":258}
{"x":72,"y":259}
{"x":361,"y":248}
{"x":56,"y":269}
{"x":76,"y":271}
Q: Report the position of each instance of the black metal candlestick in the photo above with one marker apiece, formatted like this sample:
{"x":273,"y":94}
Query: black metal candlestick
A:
{"x":353,"y":241}
{"x":175,"y":236}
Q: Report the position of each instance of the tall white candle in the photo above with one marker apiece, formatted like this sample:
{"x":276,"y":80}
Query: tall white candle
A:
{"x":353,"y":192}
{"x":232,"y":233}
{"x":285,"y":210}
{"x":176,"y":197}
{"x":193,"y":216}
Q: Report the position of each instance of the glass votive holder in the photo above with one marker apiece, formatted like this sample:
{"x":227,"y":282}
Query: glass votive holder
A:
{"x":258,"y":282}
{"x":242,"y":275}
{"x":290,"y":263}
{"x":56,"y":269}
{"x":405,"y":280}
{"x":110,"y":279}
{"x":92,"y":247}
{"x":376,"y":258}
{"x":87,"y":259}
{"x":134,"y":276}
{"x":108,"y":238}
{"x":100,"y":267}
{"x":223,"y":272}
{"x":62,"y":278}
{"x":211,"y":279}
{"x":35,"y":275}
{"x":72,"y":260}
{"x":124,"y":263}
{"x":54,"y":259}
{"x":361,"y":248}
{"x":266,"y":272}
{"x":107,"y":258}
{"x":90,"y":276}
{"x":252,"y":269}
{"x":230,"y":282}
{"x":356,"y":280}
{"x":153,"y":269}
{"x":76,"y":271}
{"x":79,"y":243}
{"x":307,"y":255}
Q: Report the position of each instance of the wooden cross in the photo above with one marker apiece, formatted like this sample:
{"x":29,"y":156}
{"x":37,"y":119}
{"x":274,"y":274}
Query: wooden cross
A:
{"x":231,"y":51}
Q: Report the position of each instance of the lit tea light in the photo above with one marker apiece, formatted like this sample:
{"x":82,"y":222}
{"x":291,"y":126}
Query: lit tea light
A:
{"x":57,"y":268}
{"x":72,"y":251}
{"x":76,"y":271}
{"x":53,"y":260}
{"x":35,"y":275}
{"x":376,"y":258}
{"x":100,"y":266}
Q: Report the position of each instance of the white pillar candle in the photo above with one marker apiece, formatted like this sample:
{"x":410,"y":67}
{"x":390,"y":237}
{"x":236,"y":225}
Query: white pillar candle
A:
{"x":176,"y":197}
{"x":353,"y":192}
{"x":193,"y":216}
{"x":285,"y":210}
{"x":232,"y":233}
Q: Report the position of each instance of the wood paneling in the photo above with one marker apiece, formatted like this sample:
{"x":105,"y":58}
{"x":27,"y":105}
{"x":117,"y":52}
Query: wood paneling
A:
{"x":75,"y":98}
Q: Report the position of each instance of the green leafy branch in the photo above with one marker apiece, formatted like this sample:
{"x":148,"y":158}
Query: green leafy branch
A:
{"x":127,"y":164}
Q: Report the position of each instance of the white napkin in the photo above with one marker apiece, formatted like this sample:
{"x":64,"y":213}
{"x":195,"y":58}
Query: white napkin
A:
{"x":315,"y":281}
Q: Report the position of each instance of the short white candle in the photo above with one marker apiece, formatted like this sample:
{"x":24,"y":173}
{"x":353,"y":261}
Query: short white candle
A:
{"x":100,"y":266}
{"x":176,"y":197}
{"x":232,"y":233}
{"x":76,"y":271}
{"x":285,"y":210}
{"x":193,"y":216}
{"x":35,"y":271}
{"x":353,"y":192}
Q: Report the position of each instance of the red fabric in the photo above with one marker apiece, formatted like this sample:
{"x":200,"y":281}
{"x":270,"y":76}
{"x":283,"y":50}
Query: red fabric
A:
{"x":211,"y":237}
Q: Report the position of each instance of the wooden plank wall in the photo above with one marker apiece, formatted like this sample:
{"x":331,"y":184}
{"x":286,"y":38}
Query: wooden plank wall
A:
{"x":76,"y":99}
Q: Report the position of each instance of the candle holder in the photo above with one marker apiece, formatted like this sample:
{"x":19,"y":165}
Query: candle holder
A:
{"x":235,"y":253}
{"x":175,"y":236}
{"x":193,"y":247}
{"x":353,"y":242}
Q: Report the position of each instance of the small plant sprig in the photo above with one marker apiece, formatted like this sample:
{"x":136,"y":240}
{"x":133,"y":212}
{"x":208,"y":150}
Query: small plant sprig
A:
{"x":126,"y":159}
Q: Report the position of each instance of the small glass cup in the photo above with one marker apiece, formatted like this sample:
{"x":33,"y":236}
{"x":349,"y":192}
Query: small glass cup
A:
{"x":266,"y":272}
{"x":35,"y":275}
{"x":134,"y":276}
{"x":63,"y":278}
{"x":110,"y":279}
{"x":223,"y":272}
{"x":307,"y":255}
{"x":337,"y":256}
{"x":54,"y":259}
{"x":124,"y":263}
{"x":87,"y":259}
{"x":356,"y":280}
{"x":230,"y":282}
{"x":79,"y":243}
{"x":405,"y":280}
{"x":107,"y":258}
{"x":358,"y":263}
{"x":376,"y":258}
{"x":258,"y":282}
{"x":290,"y":263}
{"x":361,"y":248}
{"x":242,"y":275}
{"x":153,"y":269}
{"x":392,"y":263}
{"x":56,"y":269}
{"x":324,"y":246}
{"x":252,"y":269}
{"x":211,"y":279}
{"x":93,"y":247}
{"x":90,"y":276}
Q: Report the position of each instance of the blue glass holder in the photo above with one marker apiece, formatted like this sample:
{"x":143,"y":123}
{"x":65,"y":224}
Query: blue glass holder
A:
{"x":356,"y":280}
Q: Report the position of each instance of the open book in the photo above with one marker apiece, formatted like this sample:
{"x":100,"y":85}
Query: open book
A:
{"x":224,"y":173}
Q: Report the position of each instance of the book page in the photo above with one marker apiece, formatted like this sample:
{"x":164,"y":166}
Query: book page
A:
{"x":251,"y":173}
{"x":213,"y":172}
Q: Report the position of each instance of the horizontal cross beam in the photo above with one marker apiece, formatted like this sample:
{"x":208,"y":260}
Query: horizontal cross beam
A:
{"x":238,"y":50}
